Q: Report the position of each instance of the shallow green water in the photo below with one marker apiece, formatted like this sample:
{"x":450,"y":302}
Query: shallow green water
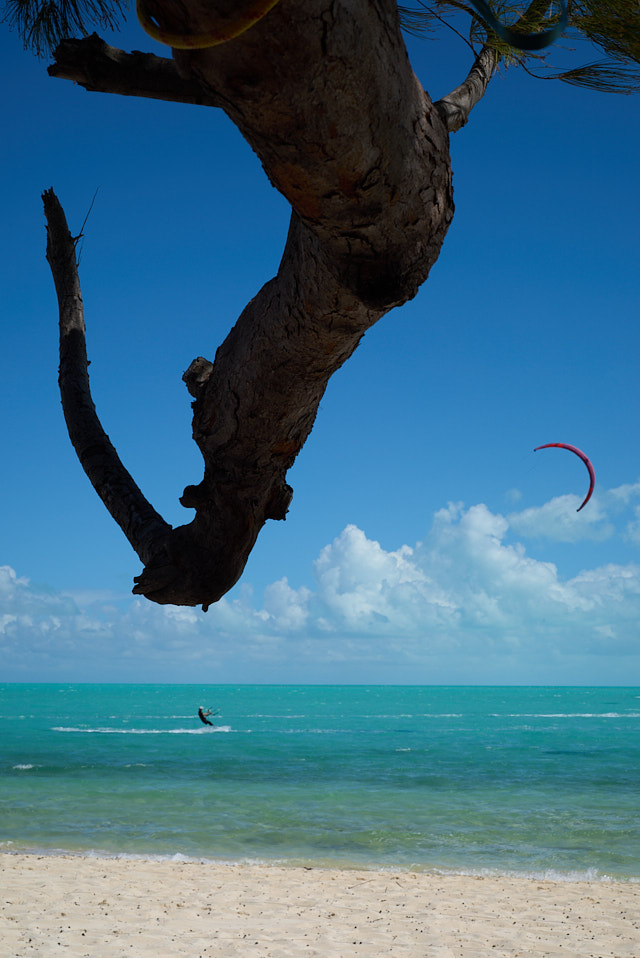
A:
{"x":528,"y":780}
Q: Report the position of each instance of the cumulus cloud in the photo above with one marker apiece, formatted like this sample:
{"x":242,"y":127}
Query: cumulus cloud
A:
{"x":632,"y":531}
{"x":465,"y":597}
{"x":622,"y":498}
{"x":39,"y":625}
{"x":559,"y":520}
{"x":624,"y":495}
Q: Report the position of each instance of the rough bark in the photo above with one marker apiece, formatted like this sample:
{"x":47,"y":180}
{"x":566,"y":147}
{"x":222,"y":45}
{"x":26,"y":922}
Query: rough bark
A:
{"x":101,"y":68}
{"x":324,"y":93}
{"x":141,"y":524}
{"x":456,"y":107}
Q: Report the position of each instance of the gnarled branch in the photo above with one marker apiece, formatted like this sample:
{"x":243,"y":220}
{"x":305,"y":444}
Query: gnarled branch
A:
{"x":143,"y":527}
{"x":324,"y":93}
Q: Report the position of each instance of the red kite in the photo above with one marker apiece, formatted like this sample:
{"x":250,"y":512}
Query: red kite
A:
{"x":578,"y":452}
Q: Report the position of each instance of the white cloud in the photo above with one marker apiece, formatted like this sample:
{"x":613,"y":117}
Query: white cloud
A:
{"x":624,"y":494}
{"x":41,"y":628}
{"x":559,"y":520}
{"x":466,"y":601}
{"x":286,"y":607}
{"x":362,"y":589}
{"x":632,"y":531}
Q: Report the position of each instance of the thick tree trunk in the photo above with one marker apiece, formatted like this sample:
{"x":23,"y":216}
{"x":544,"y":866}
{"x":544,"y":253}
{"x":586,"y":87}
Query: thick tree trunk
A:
{"x":324,"y":93}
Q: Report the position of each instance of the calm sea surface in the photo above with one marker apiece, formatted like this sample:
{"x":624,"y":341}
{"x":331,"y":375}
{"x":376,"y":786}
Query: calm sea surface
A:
{"x":534,"y":781}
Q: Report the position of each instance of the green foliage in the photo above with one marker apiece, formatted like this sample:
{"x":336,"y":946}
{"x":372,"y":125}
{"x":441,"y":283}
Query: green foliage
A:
{"x":43,"y":23}
{"x":614,"y":25}
{"x":611,"y":25}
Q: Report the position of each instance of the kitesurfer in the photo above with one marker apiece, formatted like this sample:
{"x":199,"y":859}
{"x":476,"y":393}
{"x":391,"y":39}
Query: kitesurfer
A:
{"x":202,"y":715}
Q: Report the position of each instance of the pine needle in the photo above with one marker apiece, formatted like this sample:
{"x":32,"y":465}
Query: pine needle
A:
{"x":607,"y":76}
{"x":42,"y":24}
{"x":611,"y":25}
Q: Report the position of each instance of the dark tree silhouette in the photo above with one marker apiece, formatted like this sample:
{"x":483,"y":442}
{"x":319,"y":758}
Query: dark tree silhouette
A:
{"x":323,"y":91}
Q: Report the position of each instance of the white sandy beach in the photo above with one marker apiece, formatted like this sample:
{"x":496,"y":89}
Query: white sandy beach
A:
{"x":63,"y":905}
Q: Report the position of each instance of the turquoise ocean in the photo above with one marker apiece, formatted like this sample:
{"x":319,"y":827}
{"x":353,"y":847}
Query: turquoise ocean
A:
{"x":531,"y":781}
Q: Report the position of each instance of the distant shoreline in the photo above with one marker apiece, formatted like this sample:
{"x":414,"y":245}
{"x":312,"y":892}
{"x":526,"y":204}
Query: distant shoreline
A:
{"x":176,"y":909}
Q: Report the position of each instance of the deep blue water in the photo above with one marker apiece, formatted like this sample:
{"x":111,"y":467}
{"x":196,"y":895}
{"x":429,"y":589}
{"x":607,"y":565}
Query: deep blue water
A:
{"x":536,"y":781}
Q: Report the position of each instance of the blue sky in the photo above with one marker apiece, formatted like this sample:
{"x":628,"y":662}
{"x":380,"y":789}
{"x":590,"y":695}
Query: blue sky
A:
{"x":426,"y":541}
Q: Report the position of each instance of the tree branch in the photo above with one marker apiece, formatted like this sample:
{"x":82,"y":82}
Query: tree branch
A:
{"x":254,"y":408}
{"x":457,"y":105}
{"x":98,"y":67}
{"x":141,"y":524}
{"x":324,"y":93}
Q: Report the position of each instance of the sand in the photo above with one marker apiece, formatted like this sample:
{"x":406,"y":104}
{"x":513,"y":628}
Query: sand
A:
{"x":72,"y":906}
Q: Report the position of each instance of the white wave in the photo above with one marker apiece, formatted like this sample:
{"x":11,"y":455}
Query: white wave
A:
{"x":273,"y":715}
{"x":24,"y":768}
{"x":413,"y":715}
{"x":142,"y":731}
{"x":103,"y":854}
{"x":365,"y":715}
{"x":543,"y":874}
{"x":566,"y":715}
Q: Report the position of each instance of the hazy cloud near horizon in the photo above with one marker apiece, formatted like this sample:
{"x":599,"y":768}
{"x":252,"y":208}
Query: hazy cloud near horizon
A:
{"x":466,"y":601}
